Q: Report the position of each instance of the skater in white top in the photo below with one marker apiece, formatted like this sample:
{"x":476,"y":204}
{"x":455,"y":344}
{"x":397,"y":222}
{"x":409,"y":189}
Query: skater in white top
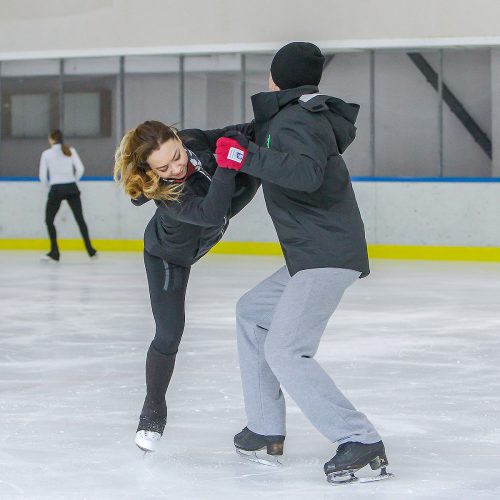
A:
{"x":60,"y":168}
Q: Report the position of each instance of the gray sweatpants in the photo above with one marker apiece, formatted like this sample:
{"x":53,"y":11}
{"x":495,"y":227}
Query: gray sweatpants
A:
{"x":280,"y":323}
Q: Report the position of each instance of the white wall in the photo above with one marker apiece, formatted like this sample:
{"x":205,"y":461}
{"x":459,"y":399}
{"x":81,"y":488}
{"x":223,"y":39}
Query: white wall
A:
{"x":60,"y":27}
{"x":406,"y":118}
{"x":398,"y":213}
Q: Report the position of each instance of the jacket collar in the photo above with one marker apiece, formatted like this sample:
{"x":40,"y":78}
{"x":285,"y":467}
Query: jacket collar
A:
{"x":267,"y":104}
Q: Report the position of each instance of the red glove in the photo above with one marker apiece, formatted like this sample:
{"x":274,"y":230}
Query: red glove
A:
{"x":230,"y":153}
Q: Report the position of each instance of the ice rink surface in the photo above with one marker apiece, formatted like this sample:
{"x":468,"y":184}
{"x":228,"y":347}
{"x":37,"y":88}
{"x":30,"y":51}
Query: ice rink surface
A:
{"x":416,"y":346}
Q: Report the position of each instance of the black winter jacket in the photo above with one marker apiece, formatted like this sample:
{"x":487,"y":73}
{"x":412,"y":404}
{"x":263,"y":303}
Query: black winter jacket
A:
{"x":181,"y":232}
{"x":307,"y":188}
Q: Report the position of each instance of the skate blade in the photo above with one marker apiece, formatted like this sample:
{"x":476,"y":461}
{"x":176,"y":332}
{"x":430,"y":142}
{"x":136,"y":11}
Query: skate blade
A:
{"x":146,"y":451}
{"x":337,"y":478}
{"x":269,"y":460}
{"x":380,"y":477}
{"x":350,"y":478}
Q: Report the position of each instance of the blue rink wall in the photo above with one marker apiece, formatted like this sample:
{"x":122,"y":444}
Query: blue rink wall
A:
{"x":417,"y":218}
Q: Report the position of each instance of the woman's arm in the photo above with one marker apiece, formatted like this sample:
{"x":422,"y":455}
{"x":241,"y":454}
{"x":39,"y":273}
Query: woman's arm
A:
{"x":43,"y":172}
{"x":77,"y":163}
{"x":208,"y":210}
{"x":197,"y":139}
{"x":141,"y":200}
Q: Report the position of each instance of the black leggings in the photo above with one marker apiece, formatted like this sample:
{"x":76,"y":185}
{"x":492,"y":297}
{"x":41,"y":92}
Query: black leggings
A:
{"x":167,"y":290}
{"x":70,"y":193}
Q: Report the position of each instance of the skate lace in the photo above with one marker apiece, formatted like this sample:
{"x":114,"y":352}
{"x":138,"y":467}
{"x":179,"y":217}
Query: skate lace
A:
{"x":153,"y":436}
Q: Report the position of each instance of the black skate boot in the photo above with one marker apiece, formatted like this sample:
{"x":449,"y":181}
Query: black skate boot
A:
{"x":50,"y":257}
{"x":159,"y":369}
{"x":351,"y":457}
{"x":248,"y":443}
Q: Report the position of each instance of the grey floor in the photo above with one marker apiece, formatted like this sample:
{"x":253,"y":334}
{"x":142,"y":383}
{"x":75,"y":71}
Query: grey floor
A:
{"x":416,"y":346}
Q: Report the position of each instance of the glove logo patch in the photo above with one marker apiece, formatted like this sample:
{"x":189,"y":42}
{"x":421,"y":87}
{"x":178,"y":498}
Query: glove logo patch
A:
{"x":235,"y":154}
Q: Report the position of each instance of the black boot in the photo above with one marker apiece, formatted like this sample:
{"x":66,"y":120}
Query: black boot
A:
{"x":50,"y":257}
{"x":247,"y":440}
{"x":159,"y":369}
{"x":352,"y":456}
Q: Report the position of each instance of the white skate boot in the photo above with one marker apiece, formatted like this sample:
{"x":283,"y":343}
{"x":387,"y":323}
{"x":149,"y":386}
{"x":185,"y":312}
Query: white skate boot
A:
{"x":147,"y":440}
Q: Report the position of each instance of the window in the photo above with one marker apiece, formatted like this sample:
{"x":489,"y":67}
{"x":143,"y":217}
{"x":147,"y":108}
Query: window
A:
{"x":29,"y":115}
{"x":82,"y":114}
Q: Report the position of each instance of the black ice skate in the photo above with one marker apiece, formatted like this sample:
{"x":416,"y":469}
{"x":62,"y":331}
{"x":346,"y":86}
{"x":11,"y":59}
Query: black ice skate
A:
{"x":351,"y":457}
{"x":151,"y":425}
{"x":248,"y":443}
{"x":159,"y":369}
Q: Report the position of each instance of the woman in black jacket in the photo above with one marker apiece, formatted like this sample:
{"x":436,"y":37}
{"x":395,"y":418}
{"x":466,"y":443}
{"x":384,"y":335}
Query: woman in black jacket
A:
{"x":194,"y":200}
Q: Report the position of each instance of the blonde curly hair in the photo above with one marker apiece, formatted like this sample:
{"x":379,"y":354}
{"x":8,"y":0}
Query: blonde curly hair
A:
{"x":131,"y":169}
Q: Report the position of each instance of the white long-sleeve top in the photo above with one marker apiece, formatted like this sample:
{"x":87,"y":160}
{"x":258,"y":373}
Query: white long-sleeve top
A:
{"x":57,"y":168}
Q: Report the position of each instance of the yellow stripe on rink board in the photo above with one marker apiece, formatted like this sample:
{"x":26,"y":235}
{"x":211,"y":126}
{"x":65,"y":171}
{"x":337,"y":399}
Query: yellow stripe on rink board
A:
{"x":479,"y":254}
{"x":248,"y":248}
{"x":72,"y":245}
{"x":407,"y":252}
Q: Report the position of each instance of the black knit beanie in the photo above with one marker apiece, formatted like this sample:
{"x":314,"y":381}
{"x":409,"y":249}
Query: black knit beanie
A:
{"x":297,"y":64}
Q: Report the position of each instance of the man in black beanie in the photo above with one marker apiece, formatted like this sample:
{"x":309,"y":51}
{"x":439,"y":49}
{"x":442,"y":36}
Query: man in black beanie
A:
{"x":297,"y":64}
{"x":300,"y":135}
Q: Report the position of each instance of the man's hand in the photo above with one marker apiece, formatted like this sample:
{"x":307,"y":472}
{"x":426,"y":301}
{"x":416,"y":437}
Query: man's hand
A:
{"x":231,"y":152}
{"x":238,"y":136}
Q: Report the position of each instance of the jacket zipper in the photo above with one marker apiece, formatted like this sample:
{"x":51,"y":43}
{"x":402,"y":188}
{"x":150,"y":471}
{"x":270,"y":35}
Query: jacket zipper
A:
{"x":203,"y":172}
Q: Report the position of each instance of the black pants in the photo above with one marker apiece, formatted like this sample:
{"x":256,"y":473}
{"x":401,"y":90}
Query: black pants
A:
{"x":70,"y":193}
{"x":167,"y":291}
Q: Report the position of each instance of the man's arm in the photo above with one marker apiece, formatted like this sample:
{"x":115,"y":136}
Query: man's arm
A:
{"x":299,"y":160}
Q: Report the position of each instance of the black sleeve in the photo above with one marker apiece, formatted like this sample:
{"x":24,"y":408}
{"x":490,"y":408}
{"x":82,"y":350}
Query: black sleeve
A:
{"x":208,"y":210}
{"x":197,"y":139}
{"x":299,"y":161}
{"x":140,"y":201}
{"x":245,"y":188}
